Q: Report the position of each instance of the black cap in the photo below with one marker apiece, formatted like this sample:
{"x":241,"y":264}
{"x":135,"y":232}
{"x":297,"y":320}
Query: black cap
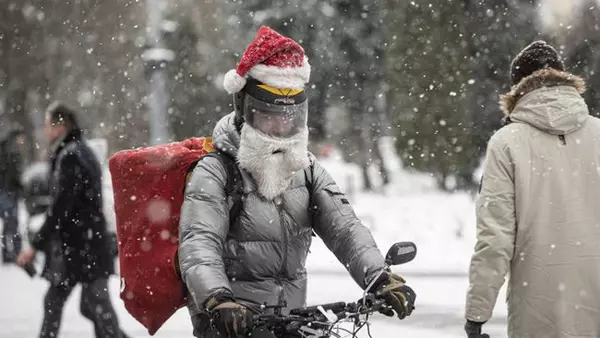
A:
{"x":538,"y":55}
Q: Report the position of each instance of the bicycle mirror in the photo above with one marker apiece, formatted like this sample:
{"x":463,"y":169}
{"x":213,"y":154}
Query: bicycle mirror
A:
{"x":400,"y":253}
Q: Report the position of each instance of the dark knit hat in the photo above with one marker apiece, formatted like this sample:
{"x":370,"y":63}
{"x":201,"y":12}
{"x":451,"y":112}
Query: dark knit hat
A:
{"x":536,"y":56}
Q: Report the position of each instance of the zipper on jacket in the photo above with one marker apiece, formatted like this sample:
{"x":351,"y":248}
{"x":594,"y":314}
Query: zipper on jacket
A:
{"x":279,"y":204}
{"x":562,"y":139}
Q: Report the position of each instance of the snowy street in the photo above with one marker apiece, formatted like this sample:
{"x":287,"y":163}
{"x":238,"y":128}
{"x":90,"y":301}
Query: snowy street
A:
{"x":220,"y":149}
{"x":439,"y":307}
{"x":438,"y":313}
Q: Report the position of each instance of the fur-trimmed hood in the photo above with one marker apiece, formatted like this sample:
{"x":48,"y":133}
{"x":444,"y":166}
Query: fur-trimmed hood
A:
{"x":549,"y":100}
{"x":542,"y":78}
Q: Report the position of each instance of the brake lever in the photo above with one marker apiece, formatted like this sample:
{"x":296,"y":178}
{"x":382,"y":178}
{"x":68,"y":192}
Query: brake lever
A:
{"x":367,"y":300}
{"x":331,"y":317}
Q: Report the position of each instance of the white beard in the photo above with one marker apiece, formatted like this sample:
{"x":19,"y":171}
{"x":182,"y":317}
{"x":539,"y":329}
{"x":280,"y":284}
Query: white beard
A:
{"x":272,"y":172}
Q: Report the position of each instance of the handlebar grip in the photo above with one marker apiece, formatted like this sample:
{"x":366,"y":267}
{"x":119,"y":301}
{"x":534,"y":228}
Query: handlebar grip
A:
{"x":335,"y":307}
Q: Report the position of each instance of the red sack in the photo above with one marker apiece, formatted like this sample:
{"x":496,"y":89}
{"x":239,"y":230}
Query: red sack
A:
{"x":148,"y":188}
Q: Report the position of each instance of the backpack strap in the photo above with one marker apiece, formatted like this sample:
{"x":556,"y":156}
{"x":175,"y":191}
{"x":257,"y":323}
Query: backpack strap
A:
{"x":233,"y":186}
{"x":309,"y":178}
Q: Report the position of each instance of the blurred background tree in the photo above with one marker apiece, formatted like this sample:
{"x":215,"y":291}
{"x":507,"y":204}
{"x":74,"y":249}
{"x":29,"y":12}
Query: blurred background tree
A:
{"x":426,"y":75}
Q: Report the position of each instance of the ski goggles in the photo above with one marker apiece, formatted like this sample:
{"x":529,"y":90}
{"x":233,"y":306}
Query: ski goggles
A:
{"x":279,"y":118}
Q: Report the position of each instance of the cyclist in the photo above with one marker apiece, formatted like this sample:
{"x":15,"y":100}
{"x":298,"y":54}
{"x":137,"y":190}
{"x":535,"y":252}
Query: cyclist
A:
{"x":232,"y":258}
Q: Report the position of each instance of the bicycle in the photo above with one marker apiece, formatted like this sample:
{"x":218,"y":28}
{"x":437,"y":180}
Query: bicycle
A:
{"x":323,"y":321}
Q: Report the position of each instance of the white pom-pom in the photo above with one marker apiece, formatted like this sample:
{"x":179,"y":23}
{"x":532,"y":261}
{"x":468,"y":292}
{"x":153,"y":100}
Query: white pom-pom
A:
{"x":233,"y":82}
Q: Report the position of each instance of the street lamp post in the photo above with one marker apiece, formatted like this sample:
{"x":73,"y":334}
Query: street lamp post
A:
{"x":156,"y":57}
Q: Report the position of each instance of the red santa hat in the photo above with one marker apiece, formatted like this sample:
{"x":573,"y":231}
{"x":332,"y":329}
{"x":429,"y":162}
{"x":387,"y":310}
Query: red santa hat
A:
{"x":272,"y":59}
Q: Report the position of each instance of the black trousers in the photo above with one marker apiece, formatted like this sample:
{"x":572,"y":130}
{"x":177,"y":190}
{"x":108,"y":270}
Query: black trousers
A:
{"x":11,"y":240}
{"x":95,"y":305}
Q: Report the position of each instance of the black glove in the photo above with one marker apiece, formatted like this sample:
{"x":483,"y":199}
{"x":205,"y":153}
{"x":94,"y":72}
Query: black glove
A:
{"x":30,"y":269}
{"x":231,"y":320}
{"x":473,"y":330}
{"x":396,"y":294}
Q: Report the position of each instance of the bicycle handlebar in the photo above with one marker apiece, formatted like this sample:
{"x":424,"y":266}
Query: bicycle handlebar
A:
{"x":324,"y":315}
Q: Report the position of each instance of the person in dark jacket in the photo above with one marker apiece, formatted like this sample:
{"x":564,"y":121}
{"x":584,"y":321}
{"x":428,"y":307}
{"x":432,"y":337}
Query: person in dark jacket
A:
{"x":10,"y":190}
{"x":232,"y":266}
{"x":74,"y":235}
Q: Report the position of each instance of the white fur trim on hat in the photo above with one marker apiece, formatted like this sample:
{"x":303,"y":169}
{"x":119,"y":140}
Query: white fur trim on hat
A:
{"x":293,"y":77}
{"x":233,"y":82}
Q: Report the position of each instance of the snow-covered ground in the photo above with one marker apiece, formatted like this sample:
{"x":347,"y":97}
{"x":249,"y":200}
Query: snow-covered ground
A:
{"x":438,"y":311}
{"x":442,"y":226}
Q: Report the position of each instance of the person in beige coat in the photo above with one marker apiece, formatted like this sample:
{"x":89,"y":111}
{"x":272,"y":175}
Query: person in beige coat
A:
{"x":538,"y":212}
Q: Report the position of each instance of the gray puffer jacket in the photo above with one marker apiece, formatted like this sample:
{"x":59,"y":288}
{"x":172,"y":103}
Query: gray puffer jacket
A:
{"x":261,"y":259}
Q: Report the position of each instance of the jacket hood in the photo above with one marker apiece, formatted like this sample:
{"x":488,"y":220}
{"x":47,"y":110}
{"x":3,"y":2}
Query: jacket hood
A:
{"x":225,"y":135}
{"x":549,"y":100}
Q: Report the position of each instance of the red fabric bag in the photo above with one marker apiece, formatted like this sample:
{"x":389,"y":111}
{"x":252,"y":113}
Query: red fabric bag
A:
{"x":148,"y":188}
